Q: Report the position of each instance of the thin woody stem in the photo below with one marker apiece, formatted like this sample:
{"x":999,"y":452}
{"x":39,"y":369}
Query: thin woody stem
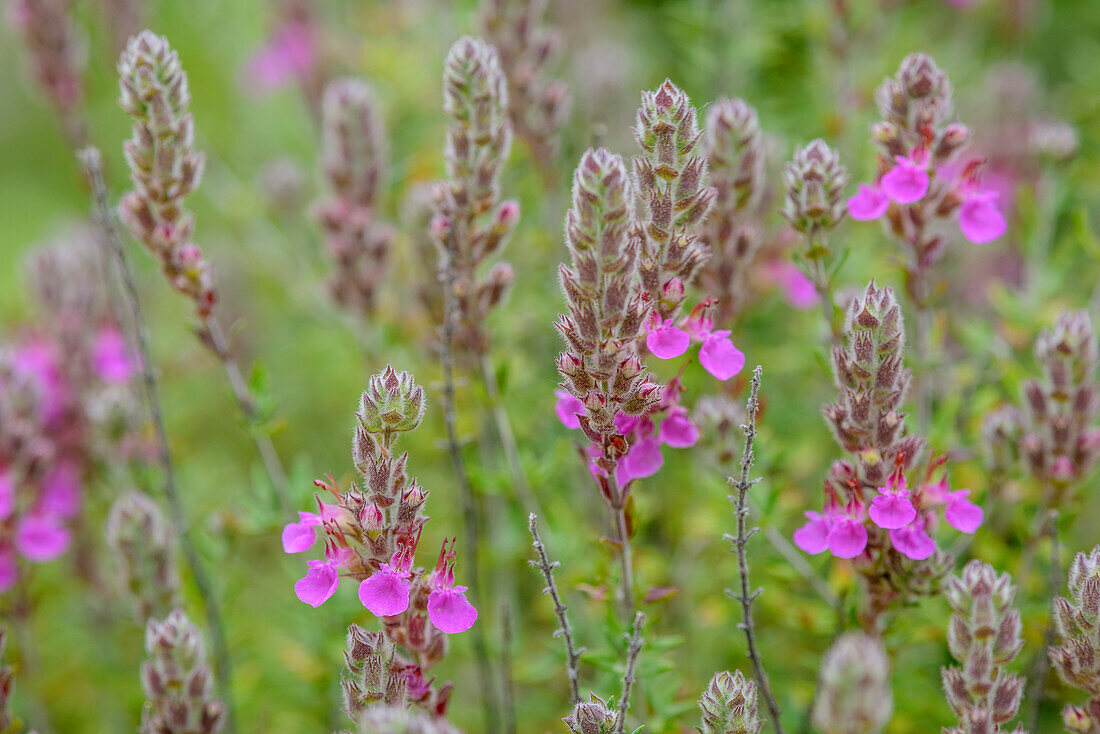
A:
{"x":629,"y":676}
{"x":91,"y":160}
{"x":742,"y":485}
{"x":565,"y":630}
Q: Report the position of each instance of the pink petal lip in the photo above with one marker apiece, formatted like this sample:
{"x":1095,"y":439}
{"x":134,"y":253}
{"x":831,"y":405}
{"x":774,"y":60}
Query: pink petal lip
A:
{"x":449,"y":610}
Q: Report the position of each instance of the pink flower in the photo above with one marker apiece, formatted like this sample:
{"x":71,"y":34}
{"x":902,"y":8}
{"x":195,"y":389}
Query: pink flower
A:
{"x":61,"y":491}
{"x":665,"y":340}
{"x":9,"y":571}
{"x":7,"y":495}
{"x":110,"y":358}
{"x":319,"y":583}
{"x":288,"y":56}
{"x":677,"y":430}
{"x":907,"y":182}
{"x":961,"y":513}
{"x":892,"y":508}
{"x":869,"y":204}
{"x":300,"y":536}
{"x":643,"y":460}
{"x":386,"y":591}
{"x":41,"y":538}
{"x":979,"y":218}
{"x":448,"y":608}
{"x":37,"y":361}
{"x":847,"y":537}
{"x":720,"y":357}
{"x":913,"y":541}
{"x":568,"y":408}
{"x":798,"y":289}
{"x":813,"y":537}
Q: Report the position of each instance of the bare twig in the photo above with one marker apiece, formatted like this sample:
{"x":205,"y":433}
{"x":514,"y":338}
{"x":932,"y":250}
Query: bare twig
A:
{"x":1041,"y":667}
{"x":471,"y":523}
{"x":742,"y":485}
{"x":565,"y":631}
{"x":508,"y":693}
{"x":92,"y":163}
{"x":632,"y":652}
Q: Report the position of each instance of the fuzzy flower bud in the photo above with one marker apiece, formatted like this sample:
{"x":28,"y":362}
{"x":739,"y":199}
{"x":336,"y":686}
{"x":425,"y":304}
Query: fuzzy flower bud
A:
{"x":919,"y":96}
{"x":374,"y":673}
{"x":138,"y":536}
{"x":815,"y":181}
{"x":177,"y":681}
{"x":1077,"y":658}
{"x":392,"y":402}
{"x":729,"y":705}
{"x":984,"y":636}
{"x":854,"y":695}
{"x":591,"y":717}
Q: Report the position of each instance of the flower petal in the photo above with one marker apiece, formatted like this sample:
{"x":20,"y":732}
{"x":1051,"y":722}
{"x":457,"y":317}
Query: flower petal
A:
{"x":300,"y":536}
{"x":913,"y":541}
{"x":667,"y":342}
{"x":319,"y":583}
{"x":892,"y":510}
{"x":980,"y":220}
{"x":41,"y":538}
{"x":677,"y":430}
{"x":720,"y":357}
{"x":869,"y":204}
{"x":847,"y":538}
{"x":450,"y":611}
{"x":961,"y":513}
{"x":643,"y":460}
{"x":906,"y":182}
{"x":568,"y":408}
{"x":384,"y":593}
{"x":813,"y":537}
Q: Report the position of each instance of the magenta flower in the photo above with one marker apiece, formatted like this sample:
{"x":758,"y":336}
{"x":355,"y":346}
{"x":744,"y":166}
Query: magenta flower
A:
{"x":798,"y":289}
{"x":813,"y":537}
{"x":892,"y":508}
{"x":9,"y":571}
{"x":869,"y":204}
{"x":60,"y":491}
{"x":288,"y":56}
{"x":913,"y":541}
{"x":319,"y":583}
{"x":979,"y":218}
{"x":300,"y":536}
{"x":110,"y":357}
{"x":720,"y":357}
{"x":907,"y":182}
{"x":450,"y":611}
{"x":847,"y":537}
{"x":386,"y":591}
{"x":41,"y":538}
{"x":961,"y":513}
{"x":7,"y":495}
{"x":643,"y":460}
{"x":38,"y":362}
{"x":665,"y":340}
{"x":677,"y":430}
{"x":568,"y":408}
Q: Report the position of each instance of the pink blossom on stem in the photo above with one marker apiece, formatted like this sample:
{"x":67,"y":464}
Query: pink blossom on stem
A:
{"x":979,"y":218}
{"x":386,"y":591}
{"x":907,"y":182}
{"x":289,"y":55}
{"x":961,"y":513}
{"x":41,"y":538}
{"x":319,"y":583}
{"x":60,"y":496}
{"x":720,"y":357}
{"x":798,"y":289}
{"x":448,"y":608}
{"x":869,"y":204}
{"x":643,"y":460}
{"x":110,"y":357}
{"x":677,"y":430}
{"x":665,"y":340}
{"x":892,"y":508}
{"x":300,"y":536}
{"x":568,"y":408}
{"x":813,"y":537}
{"x":847,"y":537}
{"x":913,"y":541}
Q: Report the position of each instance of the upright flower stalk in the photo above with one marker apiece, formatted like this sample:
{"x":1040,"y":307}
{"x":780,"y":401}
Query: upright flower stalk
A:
{"x":1077,"y":656}
{"x":371,"y":532}
{"x":734,"y":148}
{"x":880,"y":510}
{"x":984,"y":637}
{"x":165,"y":168}
{"x":354,"y":160}
{"x":177,"y":681}
{"x":814,"y":206}
{"x":853,"y":694}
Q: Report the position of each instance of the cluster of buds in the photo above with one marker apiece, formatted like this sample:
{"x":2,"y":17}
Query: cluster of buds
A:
{"x":1060,"y":442}
{"x":65,"y":404}
{"x":375,"y":676}
{"x":874,"y":512}
{"x":919,"y":180}
{"x":1077,"y":658}
{"x":470,"y":223}
{"x":537,"y":105}
{"x":854,"y":695}
{"x":390,"y":719}
{"x":594,"y":716}
{"x":55,"y":57}
{"x":814,"y":204}
{"x":734,"y":148}
{"x":354,"y":163}
{"x":177,"y":681}
{"x":607,"y":309}
{"x":984,"y":637}
{"x":142,"y":544}
{"x":672,"y":197}
{"x":164,"y":166}
{"x":729,"y":705}
{"x":371,"y":533}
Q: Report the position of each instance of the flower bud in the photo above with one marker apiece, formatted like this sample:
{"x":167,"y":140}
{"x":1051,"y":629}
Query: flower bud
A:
{"x":815,"y":181}
{"x":392,"y":402}
{"x":729,"y":705}
{"x":854,"y":695}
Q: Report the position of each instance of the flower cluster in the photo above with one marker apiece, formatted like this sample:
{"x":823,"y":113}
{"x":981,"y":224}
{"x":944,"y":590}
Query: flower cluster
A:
{"x":920,"y":180}
{"x":470,"y":222}
{"x":854,"y":695}
{"x":55,"y":57}
{"x":537,"y":105}
{"x":734,"y":148}
{"x":673,"y":197}
{"x":594,"y":716}
{"x":1077,"y":658}
{"x":371,"y":534}
{"x":65,"y":402}
{"x":164,"y":166}
{"x":143,"y":546}
{"x":814,"y":205}
{"x":873,"y":512}
{"x":354,"y":163}
{"x":177,"y":681}
{"x":984,"y":637}
{"x":729,"y":705}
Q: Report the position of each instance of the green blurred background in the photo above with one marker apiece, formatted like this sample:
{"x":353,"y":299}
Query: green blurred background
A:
{"x":808,"y":73}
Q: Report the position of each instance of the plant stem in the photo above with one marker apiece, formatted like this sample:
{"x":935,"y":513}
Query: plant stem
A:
{"x":572,"y":652}
{"x":626,"y":559}
{"x":1041,"y":667}
{"x":742,"y":485}
{"x":92,"y":161}
{"x":469,"y":508}
{"x":629,"y":676}
{"x":507,"y":435}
